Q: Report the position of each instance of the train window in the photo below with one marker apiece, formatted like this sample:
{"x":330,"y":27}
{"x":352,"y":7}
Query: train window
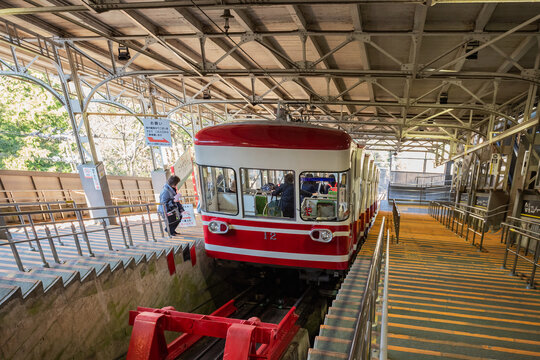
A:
{"x":262,"y":196}
{"x":219,"y":188}
{"x":330,"y":201}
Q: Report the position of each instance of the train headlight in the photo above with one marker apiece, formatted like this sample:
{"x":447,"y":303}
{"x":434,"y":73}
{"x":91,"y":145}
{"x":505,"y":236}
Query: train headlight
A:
{"x":218,"y":227}
{"x":321,"y":235}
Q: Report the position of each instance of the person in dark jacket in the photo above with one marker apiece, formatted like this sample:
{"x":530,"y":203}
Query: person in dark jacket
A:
{"x":286,"y":190}
{"x":170,"y":207}
{"x":309,"y":186}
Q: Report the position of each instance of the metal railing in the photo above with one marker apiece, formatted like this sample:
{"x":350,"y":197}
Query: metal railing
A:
{"x":115,"y":219}
{"x":396,"y":218}
{"x":383,"y":344}
{"x":520,"y":233}
{"x":118,"y":196}
{"x":460,"y":218}
{"x":420,"y":194}
{"x":361,"y":343}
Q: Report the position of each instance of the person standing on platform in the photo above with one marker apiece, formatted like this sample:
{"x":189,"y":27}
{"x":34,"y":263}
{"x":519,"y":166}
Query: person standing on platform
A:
{"x":170,"y":207}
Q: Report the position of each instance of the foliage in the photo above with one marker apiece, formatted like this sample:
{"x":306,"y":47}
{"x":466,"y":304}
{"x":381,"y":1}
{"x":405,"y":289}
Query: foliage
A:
{"x":33,"y":127}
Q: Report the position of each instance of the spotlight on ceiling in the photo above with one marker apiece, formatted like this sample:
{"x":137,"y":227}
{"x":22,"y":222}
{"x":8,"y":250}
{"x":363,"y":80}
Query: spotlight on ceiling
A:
{"x":123,"y":53}
{"x":227,"y":16}
{"x":206,"y":94}
{"x":444,"y":98}
{"x":471,"y":45}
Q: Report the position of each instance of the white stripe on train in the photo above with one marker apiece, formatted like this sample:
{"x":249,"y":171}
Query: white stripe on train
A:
{"x":276,"y":254}
{"x":277,"y":230}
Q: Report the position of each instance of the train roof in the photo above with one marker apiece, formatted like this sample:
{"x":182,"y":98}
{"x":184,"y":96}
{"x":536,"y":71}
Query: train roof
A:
{"x":273,"y":134}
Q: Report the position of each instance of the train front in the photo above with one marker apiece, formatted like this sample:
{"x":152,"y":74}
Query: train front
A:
{"x":276,"y":194}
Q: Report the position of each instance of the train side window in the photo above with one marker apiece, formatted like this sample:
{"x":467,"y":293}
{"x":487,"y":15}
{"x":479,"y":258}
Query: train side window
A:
{"x":257,"y":186}
{"x":331,"y":201}
{"x":219,"y":190}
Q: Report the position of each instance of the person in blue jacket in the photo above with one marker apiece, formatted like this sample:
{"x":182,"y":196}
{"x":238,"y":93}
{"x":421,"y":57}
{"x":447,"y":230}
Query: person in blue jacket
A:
{"x":286,"y":190}
{"x":170,"y":207}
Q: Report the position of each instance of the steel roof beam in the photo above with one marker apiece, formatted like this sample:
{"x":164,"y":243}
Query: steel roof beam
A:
{"x":328,"y":61}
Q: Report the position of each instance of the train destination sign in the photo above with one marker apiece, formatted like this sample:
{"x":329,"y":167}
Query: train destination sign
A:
{"x":531,"y":208}
{"x":157,"y":131}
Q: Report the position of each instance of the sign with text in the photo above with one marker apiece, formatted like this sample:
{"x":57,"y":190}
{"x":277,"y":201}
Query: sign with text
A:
{"x":531,"y":208}
{"x":183,"y":167}
{"x":158,"y":132}
{"x":188,"y":216}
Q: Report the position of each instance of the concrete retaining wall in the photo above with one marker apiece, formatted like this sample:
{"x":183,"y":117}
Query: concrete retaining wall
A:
{"x":89,"y":320}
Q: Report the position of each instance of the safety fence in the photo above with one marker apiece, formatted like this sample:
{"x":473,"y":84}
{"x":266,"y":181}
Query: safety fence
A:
{"x":420,"y":179}
{"x":41,"y":236}
{"x":419,"y":194}
{"x":361,"y":344}
{"x":466,"y":221}
{"x":396,"y":218}
{"x":521,"y":236}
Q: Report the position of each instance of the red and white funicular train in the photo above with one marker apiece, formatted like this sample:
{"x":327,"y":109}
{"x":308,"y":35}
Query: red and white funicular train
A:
{"x":319,"y":217}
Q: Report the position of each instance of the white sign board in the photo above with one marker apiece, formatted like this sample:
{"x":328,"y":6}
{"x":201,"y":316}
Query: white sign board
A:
{"x":158,"y":132}
{"x":188,"y":216}
{"x":183,"y":167}
{"x":87,"y":172}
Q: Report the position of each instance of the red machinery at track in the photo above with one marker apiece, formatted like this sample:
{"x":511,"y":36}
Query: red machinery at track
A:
{"x":241,"y":165}
{"x":245,"y":339}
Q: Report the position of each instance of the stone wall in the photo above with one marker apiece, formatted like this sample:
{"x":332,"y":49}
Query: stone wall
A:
{"x":89,"y":320}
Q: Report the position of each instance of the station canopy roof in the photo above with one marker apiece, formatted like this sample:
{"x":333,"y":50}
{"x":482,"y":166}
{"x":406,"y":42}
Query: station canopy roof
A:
{"x":396,"y":75}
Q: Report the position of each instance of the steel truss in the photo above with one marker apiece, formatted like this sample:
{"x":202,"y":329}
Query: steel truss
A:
{"x":179,"y":84}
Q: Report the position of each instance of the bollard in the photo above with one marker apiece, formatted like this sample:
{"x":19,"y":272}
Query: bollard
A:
{"x":107,"y":235}
{"x":52,"y":246}
{"x":76,"y":239}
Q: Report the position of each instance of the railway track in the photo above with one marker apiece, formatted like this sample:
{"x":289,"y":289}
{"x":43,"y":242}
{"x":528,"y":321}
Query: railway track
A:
{"x":269,"y":299}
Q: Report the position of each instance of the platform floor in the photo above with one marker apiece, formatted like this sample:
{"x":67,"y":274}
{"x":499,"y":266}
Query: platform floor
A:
{"x":447,"y":300}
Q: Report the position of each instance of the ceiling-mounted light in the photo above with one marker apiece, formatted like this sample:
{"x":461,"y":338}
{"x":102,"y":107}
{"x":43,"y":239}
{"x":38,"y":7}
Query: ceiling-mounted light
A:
{"x":123,"y":53}
{"x":206,"y":94}
{"x":227,"y":16}
{"x":444,"y":98}
{"x":471,"y":45}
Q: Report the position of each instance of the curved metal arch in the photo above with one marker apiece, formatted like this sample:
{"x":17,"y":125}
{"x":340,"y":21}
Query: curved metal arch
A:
{"x":37,"y":82}
{"x":88,"y":97}
{"x":126,"y":108}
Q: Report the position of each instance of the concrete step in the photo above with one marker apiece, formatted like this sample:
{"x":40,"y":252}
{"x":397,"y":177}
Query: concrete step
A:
{"x":315,"y":354}
{"x":332,"y":344}
{"x":28,"y":286}
{"x":9,"y":292}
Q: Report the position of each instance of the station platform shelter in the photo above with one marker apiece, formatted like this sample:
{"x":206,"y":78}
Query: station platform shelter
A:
{"x":358,"y":179}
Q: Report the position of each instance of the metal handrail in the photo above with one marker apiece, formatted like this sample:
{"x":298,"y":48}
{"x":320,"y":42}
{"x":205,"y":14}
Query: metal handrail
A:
{"x":475,"y":223}
{"x":383,"y":347}
{"x":121,"y":219}
{"x":361,"y":343}
{"x":397,"y":220}
{"x":523,"y":234}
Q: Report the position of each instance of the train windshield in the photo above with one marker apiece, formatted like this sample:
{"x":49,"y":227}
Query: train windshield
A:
{"x":329,"y":200}
{"x":268,"y":193}
{"x":219,"y":188}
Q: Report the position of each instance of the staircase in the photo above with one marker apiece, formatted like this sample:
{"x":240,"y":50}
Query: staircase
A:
{"x":449,"y":301}
{"x":336,"y":334}
{"x":38,"y":279}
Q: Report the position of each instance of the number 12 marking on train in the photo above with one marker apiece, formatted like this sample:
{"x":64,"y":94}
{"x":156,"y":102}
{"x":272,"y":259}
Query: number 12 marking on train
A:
{"x":270,"y":236}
